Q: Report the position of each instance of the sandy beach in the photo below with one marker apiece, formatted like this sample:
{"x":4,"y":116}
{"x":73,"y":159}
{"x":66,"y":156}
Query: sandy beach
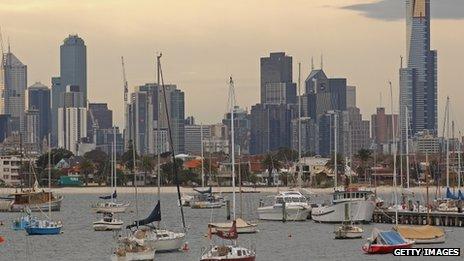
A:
{"x":172,"y":189}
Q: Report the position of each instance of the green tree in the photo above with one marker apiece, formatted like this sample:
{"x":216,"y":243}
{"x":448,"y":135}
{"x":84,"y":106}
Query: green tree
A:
{"x":56,"y":156}
{"x":147,"y":165}
{"x":168,"y":171}
{"x":86,"y":168}
{"x":340,"y":166}
{"x":365,"y":157}
{"x":270,"y":162}
{"x":127,"y":159}
{"x":101,"y":163}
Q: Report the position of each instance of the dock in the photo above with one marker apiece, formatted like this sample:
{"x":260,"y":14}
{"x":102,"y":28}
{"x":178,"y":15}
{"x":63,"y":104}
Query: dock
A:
{"x":447,"y":219}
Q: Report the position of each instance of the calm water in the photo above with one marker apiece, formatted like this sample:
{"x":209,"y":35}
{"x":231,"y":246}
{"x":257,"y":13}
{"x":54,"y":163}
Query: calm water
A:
{"x":275,"y":241}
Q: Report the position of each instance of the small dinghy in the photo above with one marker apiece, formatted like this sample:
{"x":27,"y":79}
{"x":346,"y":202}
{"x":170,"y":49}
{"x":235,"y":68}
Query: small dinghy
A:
{"x":422,"y":234}
{"x":243,"y":227}
{"x":108,"y":223}
{"x":348,"y":231}
{"x":384,"y":242}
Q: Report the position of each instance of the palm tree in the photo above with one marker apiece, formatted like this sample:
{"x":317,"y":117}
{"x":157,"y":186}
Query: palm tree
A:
{"x":364,"y":155}
{"x":147,"y":166}
{"x":270,"y":162}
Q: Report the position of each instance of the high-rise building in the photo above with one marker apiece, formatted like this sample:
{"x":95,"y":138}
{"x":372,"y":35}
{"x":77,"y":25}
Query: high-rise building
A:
{"x":418,"y":81}
{"x":309,"y":136}
{"x":99,"y":117}
{"x":350,"y":96}
{"x":12,"y":87}
{"x":32,"y":127}
{"x":277,"y":79}
{"x":5,"y":126}
{"x":327,"y":132}
{"x":381,"y":126}
{"x":194,"y":137}
{"x":72,"y":118}
{"x":359,"y":132}
{"x":73,"y":71}
{"x":39,"y":99}
{"x":241,"y":129}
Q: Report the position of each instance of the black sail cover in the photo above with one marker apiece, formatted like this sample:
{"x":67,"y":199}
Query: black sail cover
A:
{"x":155,"y":215}
{"x":110,"y":196}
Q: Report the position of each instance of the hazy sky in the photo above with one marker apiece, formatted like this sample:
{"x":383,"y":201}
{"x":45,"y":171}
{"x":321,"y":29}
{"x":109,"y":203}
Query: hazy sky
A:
{"x":205,"y":41}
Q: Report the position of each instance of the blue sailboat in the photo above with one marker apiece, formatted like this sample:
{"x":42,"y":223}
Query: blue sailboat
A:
{"x":450,"y":195}
{"x":22,"y":222}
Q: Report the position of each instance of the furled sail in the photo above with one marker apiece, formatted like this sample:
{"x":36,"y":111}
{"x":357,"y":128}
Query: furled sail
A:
{"x":155,"y":215}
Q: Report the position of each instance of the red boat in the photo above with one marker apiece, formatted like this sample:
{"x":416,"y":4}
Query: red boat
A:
{"x":228,"y":252}
{"x":2,"y":240}
{"x":384,"y":242}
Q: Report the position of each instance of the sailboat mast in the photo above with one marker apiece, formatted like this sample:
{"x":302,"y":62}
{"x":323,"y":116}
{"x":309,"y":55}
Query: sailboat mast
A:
{"x":158,"y":134}
{"x":459,"y":160}
{"x":202,"y":157}
{"x":335,"y":150}
{"x":114,"y":161}
{"x":394,"y":153}
{"x":112,"y":173}
{"x":49,"y":178}
{"x":232,"y":138}
{"x":447,"y":142}
{"x":427,"y":168}
{"x":407,"y":147}
{"x":299,"y":128}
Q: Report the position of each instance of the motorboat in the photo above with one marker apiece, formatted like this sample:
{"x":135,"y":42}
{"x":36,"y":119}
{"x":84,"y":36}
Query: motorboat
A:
{"x":422,"y":234}
{"x":288,"y":206}
{"x":108,"y":223}
{"x":133,"y":250}
{"x":186,"y":199}
{"x":110,"y":207}
{"x":243,"y":227}
{"x":228,"y":253}
{"x":348,"y":231}
{"x":44,"y":227}
{"x":384,"y":242}
{"x":361,"y":205}
{"x":161,"y":239}
{"x":206,"y":201}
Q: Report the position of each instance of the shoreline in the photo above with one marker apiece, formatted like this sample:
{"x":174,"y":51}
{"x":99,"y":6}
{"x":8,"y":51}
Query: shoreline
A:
{"x":172,"y":189}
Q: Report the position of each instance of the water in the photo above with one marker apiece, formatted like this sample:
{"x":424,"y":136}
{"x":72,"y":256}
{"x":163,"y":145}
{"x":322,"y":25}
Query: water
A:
{"x":275,"y":241}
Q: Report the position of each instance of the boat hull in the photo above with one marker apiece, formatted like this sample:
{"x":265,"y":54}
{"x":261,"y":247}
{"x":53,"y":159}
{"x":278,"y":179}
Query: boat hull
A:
{"x":240,"y":230}
{"x":107,"y":226}
{"x":384,"y":249}
{"x":360,"y":212}
{"x":166,"y":244}
{"x":43,"y":207}
{"x":249,"y":258}
{"x":272,"y":213}
{"x":149,"y":255}
{"x":205,"y":205}
{"x":347,"y":235}
{"x":43,"y":230}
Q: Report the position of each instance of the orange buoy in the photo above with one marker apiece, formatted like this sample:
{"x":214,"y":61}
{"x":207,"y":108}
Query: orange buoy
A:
{"x":2,"y":239}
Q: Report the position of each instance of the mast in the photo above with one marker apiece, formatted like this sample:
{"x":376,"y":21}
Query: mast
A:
{"x":427,"y":186}
{"x":112,"y":173}
{"x":447,"y":141}
{"x":335,"y":150}
{"x":232,"y":138}
{"x":240,"y":180}
{"x":459,"y":160}
{"x":135,"y":170}
{"x":176,"y":178}
{"x":126,"y":111}
{"x":394,"y":153}
{"x":202,"y":157}
{"x":49,"y":179}
{"x":158,"y":134}
{"x":114,"y":161}
{"x":299,"y":127}
{"x":407,"y":147}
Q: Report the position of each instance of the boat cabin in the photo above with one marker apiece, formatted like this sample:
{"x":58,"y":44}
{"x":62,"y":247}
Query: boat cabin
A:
{"x":351,"y":195}
{"x":290,"y":197}
{"x":32,"y":197}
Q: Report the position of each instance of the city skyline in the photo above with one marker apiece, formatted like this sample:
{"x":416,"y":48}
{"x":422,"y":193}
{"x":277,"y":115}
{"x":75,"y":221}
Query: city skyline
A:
{"x":358,"y":59}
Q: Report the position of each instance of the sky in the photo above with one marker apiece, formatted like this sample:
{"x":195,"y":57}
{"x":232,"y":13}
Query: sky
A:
{"x":205,"y":41}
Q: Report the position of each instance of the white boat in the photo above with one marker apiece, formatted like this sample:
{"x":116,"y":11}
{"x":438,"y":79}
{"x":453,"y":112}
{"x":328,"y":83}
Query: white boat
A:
{"x":361,"y":207}
{"x":226,"y":253}
{"x":297,"y":207}
{"x":243,"y":227}
{"x":130,"y":250}
{"x":110,"y":207}
{"x":422,"y":234}
{"x":348,"y":231}
{"x":160,"y":239}
{"x":186,"y":199}
{"x":107,"y":223}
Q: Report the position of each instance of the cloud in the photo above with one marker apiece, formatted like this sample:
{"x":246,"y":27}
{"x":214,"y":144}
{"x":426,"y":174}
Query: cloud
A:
{"x":391,"y":10}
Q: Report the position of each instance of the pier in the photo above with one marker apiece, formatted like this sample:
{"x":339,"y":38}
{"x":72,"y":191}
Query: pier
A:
{"x":447,"y":219}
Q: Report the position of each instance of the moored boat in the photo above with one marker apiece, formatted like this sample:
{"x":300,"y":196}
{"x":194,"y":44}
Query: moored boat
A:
{"x":348,"y":231}
{"x":384,"y":242}
{"x":110,"y":207}
{"x":108,"y":223}
{"x":288,"y":206}
{"x":243,"y":227}
{"x":44,"y":227}
{"x":422,"y":234}
{"x":132,"y":250}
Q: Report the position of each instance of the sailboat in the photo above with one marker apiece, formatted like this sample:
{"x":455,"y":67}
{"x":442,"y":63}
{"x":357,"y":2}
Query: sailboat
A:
{"x":111,"y":206}
{"x":348,"y":230}
{"x":382,"y":242}
{"x":23,"y":221}
{"x":232,"y":251}
{"x":109,"y":222}
{"x":425,"y":234}
{"x":163,"y":240}
{"x":45,"y":226}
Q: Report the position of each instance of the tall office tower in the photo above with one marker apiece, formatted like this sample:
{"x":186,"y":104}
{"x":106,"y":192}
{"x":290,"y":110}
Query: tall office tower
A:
{"x":39,"y":99}
{"x":194,"y":138}
{"x":327,"y":132}
{"x":350,"y":96}
{"x":5,"y":126}
{"x":309,"y":136}
{"x":381,"y":126}
{"x":270,"y":127}
{"x":241,"y":129}
{"x":73,"y":71}
{"x":142,"y":118}
{"x":277,"y":79}
{"x":418,"y":81}
{"x":99,"y":117}
{"x":32,"y":130}
{"x":72,"y":118}
{"x":12,"y":87}
{"x":358,"y":131}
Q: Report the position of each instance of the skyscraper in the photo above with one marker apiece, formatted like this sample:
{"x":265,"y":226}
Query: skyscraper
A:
{"x":277,"y":79}
{"x":72,"y":118}
{"x":418,"y":81}
{"x":39,"y":99}
{"x":73,"y":71}
{"x":13,"y":86}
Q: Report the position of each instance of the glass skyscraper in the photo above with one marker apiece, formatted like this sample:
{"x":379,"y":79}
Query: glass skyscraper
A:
{"x":418,"y":81}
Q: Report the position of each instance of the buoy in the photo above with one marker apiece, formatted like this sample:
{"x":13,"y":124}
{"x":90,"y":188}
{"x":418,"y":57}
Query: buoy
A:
{"x":2,"y":240}
{"x":185,"y":247}
{"x":290,"y":235}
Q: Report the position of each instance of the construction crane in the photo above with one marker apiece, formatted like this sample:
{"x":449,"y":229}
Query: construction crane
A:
{"x":126,"y":90}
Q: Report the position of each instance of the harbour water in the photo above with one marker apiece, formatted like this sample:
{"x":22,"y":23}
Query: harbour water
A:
{"x":275,"y":241}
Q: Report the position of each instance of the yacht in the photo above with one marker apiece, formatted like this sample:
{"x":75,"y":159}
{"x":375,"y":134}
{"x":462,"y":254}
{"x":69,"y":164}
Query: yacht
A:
{"x":296,"y":204}
{"x":361,"y":205}
{"x":107,"y":223}
{"x":160,"y":239}
{"x":226,"y":253}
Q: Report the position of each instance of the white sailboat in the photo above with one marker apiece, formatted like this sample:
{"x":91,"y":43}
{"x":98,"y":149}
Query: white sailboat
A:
{"x":232,"y":252}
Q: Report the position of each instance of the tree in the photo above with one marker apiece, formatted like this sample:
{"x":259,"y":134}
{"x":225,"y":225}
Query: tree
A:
{"x":364,"y":156}
{"x":128,"y":157}
{"x":147,"y":165}
{"x":56,"y":156}
{"x":286,"y":155}
{"x":86,"y":168}
{"x":340,"y":165}
{"x":101,"y":163}
{"x":168,"y":171}
{"x":270,"y":162}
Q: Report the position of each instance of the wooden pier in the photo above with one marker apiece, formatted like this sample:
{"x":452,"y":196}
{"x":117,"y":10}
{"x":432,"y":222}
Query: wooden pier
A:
{"x":447,"y":219}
